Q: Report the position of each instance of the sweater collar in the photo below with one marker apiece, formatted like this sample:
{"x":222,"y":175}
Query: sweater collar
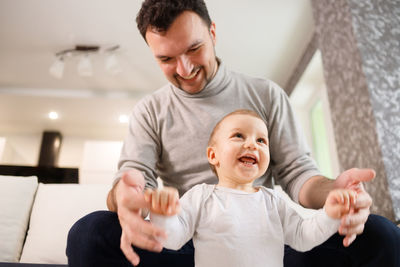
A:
{"x":216,"y":85}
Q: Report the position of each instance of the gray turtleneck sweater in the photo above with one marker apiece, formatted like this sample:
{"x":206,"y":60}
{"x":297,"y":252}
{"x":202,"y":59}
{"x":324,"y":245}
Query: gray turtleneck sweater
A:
{"x":169,"y":132}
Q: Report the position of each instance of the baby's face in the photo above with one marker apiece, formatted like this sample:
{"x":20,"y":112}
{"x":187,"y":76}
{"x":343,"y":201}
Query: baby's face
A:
{"x":241,"y":148}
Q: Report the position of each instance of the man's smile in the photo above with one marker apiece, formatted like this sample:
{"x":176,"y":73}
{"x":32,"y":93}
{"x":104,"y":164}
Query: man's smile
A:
{"x":194,"y":73}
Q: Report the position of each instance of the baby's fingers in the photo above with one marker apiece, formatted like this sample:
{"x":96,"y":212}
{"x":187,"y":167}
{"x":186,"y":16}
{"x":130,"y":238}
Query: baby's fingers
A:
{"x":353,"y":198}
{"x":174,"y":206}
{"x":348,"y":198}
{"x":164,"y":201}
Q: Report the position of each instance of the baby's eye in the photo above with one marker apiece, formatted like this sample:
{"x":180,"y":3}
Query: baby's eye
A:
{"x":238,"y":135}
{"x":261,"y":140}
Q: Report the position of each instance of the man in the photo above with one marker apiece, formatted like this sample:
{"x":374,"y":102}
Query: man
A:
{"x":168,"y":137}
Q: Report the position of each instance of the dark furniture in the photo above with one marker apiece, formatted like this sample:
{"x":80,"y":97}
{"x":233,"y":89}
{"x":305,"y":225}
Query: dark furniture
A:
{"x":10,"y":264}
{"x":45,"y":174}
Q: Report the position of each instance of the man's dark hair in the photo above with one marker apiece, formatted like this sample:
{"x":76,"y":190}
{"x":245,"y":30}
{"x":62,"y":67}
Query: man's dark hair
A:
{"x":160,"y":14}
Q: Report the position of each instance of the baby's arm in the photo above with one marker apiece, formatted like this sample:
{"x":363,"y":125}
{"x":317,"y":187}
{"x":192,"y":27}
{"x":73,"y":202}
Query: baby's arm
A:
{"x":164,"y":201}
{"x":304,"y":234}
{"x":340,"y":202}
{"x":166,"y":213}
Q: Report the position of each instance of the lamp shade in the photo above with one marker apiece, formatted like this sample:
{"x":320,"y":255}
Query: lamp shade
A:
{"x":85,"y":66}
{"x":57,"y":68}
{"x":112,"y":65}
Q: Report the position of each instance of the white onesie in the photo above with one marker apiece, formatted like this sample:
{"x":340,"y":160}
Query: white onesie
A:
{"x":235,"y":228}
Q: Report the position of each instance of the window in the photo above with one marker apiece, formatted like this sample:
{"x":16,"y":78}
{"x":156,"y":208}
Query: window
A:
{"x":310,"y":102}
{"x":320,"y":139}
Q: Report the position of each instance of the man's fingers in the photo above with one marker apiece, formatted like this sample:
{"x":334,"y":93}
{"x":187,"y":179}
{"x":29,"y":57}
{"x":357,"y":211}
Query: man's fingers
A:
{"x":132,"y":201}
{"x":134,"y":178}
{"x":354,"y":223}
{"x":128,"y":250}
{"x":141,"y":234}
{"x":355,"y":229}
{"x":134,"y":225}
{"x":147,"y":242}
{"x":144,"y":227}
{"x":361,"y":175}
{"x":363,"y":201}
{"x":349,"y":239}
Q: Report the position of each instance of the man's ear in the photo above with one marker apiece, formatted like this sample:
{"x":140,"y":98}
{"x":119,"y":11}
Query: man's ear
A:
{"x":211,"y":155}
{"x":213,"y":33}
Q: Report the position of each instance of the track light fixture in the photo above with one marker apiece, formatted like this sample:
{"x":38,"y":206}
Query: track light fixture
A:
{"x":84,"y":66}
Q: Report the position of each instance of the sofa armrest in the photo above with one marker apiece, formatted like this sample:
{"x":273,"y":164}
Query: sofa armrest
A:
{"x":16,"y":198}
{"x":56,"y":208}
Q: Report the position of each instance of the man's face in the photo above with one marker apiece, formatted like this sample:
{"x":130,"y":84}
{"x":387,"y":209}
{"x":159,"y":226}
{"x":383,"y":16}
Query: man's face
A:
{"x":185,"y":52}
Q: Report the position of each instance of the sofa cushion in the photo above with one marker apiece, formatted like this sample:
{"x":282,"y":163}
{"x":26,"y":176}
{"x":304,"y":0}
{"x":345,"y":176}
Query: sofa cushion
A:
{"x":57,"y":207}
{"x":16,"y":198}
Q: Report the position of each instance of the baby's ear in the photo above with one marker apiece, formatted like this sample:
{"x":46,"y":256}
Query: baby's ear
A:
{"x":212,"y":156}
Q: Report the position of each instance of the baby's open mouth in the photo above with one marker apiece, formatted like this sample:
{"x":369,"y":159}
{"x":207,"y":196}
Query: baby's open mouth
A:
{"x":250,"y":160}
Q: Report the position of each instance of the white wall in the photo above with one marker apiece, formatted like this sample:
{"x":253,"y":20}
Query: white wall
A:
{"x":2,"y":145}
{"x":71,"y":152}
{"x":21,"y":149}
{"x":99,"y":162}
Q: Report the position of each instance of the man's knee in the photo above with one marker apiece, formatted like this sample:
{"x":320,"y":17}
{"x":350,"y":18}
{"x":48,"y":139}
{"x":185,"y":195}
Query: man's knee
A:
{"x":383,"y":230}
{"x":95,"y":233}
{"x":384,"y":237}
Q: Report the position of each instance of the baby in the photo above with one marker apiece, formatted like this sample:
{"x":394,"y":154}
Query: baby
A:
{"x":235,"y":223}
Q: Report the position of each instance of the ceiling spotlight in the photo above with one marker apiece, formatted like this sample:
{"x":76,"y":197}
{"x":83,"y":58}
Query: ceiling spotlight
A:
{"x":123,"y":118}
{"x":53,"y":115}
{"x":57,"y":68}
{"x":85,"y":66}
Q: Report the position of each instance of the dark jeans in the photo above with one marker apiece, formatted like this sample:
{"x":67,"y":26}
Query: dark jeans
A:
{"x":94,"y":240}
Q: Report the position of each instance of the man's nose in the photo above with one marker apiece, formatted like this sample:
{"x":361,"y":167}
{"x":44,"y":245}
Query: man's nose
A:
{"x":184,"y":66}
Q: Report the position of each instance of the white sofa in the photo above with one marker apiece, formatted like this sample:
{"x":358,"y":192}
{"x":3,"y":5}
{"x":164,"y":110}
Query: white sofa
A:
{"x":35,"y":218}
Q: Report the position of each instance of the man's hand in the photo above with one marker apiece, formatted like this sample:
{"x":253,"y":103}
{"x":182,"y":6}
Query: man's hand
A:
{"x":163,"y":201}
{"x":353,"y":223}
{"x":135,"y":230}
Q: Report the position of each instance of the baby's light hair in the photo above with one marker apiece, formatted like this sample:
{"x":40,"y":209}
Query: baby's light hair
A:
{"x":211,"y":141}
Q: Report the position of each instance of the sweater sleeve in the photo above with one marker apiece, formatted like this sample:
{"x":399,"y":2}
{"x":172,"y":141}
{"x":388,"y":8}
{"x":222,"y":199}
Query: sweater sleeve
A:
{"x":141,"y":147}
{"x":303,"y":234}
{"x":180,"y":228}
{"x":291,"y":162}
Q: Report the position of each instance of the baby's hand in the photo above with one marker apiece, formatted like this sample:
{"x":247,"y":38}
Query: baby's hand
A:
{"x":339,"y":202}
{"x":164,"y":201}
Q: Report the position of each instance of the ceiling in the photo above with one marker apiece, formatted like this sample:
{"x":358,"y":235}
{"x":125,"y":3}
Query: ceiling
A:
{"x":263,"y":38}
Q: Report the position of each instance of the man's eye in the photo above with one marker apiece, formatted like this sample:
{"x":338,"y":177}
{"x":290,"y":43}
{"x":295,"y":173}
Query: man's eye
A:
{"x":194,"y":49}
{"x":165,"y":59}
